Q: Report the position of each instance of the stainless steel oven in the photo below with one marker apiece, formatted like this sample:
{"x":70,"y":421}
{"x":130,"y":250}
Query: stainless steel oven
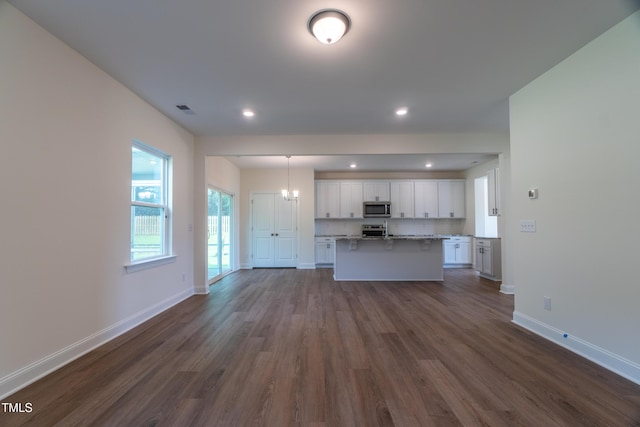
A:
{"x":374,"y":230}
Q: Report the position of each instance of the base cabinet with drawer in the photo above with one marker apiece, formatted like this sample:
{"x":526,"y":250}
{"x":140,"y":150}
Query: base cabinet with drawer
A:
{"x":457,"y":252}
{"x":325,"y":251}
{"x":488,"y":258}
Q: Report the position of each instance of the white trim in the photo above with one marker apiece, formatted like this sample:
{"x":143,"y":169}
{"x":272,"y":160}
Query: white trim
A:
{"x":611,"y":361}
{"x":149,"y":263}
{"x":21,"y":378}
{"x":306,"y":266}
{"x":507,"y":289}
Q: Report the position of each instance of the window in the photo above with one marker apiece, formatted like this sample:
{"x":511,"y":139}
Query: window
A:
{"x":149,"y":203}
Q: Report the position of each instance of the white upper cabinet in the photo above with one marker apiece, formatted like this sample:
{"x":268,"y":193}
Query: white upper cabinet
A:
{"x":376,"y":191}
{"x":402,"y":199}
{"x":426,"y":199}
{"x":350,"y":199}
{"x":451,"y":199}
{"x":327,"y":199}
{"x":493,"y":184}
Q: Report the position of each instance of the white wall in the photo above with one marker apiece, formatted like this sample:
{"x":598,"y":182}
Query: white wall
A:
{"x":575,"y":136}
{"x":66,"y":130}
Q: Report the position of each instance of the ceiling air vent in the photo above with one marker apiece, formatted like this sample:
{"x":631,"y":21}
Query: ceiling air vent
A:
{"x":185,"y":109}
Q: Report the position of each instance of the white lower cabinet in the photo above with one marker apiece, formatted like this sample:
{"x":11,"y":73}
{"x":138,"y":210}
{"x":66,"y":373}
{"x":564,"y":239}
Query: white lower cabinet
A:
{"x":457,"y":251}
{"x":325,"y":251}
{"x":488,"y":258}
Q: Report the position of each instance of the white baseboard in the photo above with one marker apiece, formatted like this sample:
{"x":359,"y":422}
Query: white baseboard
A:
{"x":507,"y":289}
{"x":306,"y":266}
{"x":611,"y":361}
{"x":23,"y":377}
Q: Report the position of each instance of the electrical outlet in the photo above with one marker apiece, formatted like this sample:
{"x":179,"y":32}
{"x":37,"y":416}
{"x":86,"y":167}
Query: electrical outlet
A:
{"x":528,"y":225}
{"x":547,"y":303}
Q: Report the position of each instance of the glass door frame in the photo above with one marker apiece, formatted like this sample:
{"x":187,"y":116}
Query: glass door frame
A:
{"x":221,"y":248}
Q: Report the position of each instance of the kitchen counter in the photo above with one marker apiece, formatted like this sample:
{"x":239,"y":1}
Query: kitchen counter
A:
{"x":394,"y":237}
{"x":392,"y":258}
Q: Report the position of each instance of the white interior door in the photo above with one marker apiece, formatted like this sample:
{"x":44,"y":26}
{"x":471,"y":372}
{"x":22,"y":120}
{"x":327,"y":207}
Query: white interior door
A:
{"x":285,"y":232}
{"x":274,"y":230}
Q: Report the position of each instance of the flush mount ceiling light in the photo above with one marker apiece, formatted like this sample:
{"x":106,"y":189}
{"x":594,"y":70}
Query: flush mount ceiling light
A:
{"x":329,"y":25}
{"x":402,"y":111}
{"x":248,"y":113}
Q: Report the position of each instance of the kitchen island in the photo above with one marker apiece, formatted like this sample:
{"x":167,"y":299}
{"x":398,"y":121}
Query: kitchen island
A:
{"x":394,"y":258}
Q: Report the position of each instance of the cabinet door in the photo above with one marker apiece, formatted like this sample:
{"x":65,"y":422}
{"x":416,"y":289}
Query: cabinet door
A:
{"x":451,"y":199}
{"x":320,"y":253}
{"x":327,"y":200}
{"x":402,"y":194}
{"x":376,"y":191}
{"x":426,"y":199}
{"x":487,"y":265}
{"x":350,"y":200}
{"x":331,"y":252}
{"x":493,"y":190}
{"x":449,"y":249}
{"x":463,"y":253}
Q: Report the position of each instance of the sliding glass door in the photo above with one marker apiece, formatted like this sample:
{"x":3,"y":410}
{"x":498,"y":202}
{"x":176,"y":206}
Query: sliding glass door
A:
{"x":219,"y":226}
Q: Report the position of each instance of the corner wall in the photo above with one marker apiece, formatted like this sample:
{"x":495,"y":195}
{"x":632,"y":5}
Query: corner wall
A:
{"x":574,"y":136}
{"x":66,"y":129}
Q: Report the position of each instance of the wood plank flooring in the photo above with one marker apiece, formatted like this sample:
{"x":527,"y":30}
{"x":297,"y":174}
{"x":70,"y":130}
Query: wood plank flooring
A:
{"x":293,"y":347}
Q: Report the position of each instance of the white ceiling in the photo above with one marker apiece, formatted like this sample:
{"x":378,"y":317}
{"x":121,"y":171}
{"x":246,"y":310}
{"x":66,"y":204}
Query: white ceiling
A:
{"x":453,"y":63}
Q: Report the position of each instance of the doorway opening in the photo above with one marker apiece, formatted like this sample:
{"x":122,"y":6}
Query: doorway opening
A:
{"x":219,"y":239}
{"x":486,"y":226}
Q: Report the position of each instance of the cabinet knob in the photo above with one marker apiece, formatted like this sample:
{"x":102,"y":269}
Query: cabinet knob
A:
{"x":327,"y":214}
{"x":451,"y":214}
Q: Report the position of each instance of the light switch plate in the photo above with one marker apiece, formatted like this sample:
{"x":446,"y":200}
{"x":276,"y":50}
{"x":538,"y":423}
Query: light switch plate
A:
{"x":528,"y":226}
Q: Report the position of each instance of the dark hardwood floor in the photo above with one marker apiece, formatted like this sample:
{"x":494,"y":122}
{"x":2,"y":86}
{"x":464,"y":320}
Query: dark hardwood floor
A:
{"x":293,"y":347}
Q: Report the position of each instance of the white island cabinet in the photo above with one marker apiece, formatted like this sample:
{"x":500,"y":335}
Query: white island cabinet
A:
{"x":389,"y":259}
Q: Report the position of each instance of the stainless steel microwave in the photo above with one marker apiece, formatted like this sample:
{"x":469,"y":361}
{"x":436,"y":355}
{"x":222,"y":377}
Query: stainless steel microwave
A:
{"x":376,"y":209}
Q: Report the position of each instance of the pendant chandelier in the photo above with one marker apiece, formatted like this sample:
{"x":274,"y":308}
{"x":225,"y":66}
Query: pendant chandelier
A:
{"x":287,"y":194}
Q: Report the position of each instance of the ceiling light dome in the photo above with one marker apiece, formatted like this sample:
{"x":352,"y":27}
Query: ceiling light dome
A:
{"x":328,"y":26}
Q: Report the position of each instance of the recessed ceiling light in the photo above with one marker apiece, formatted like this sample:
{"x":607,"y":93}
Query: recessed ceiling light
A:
{"x":353,"y":165}
{"x":248,"y":113}
{"x":428,"y":165}
{"x":402,"y":111}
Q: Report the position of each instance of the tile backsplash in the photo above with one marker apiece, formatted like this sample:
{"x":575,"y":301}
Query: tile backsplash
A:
{"x":328,"y":227}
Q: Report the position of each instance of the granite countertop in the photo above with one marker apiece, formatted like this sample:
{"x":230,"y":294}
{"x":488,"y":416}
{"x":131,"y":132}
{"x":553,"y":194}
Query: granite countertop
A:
{"x":394,"y":237}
